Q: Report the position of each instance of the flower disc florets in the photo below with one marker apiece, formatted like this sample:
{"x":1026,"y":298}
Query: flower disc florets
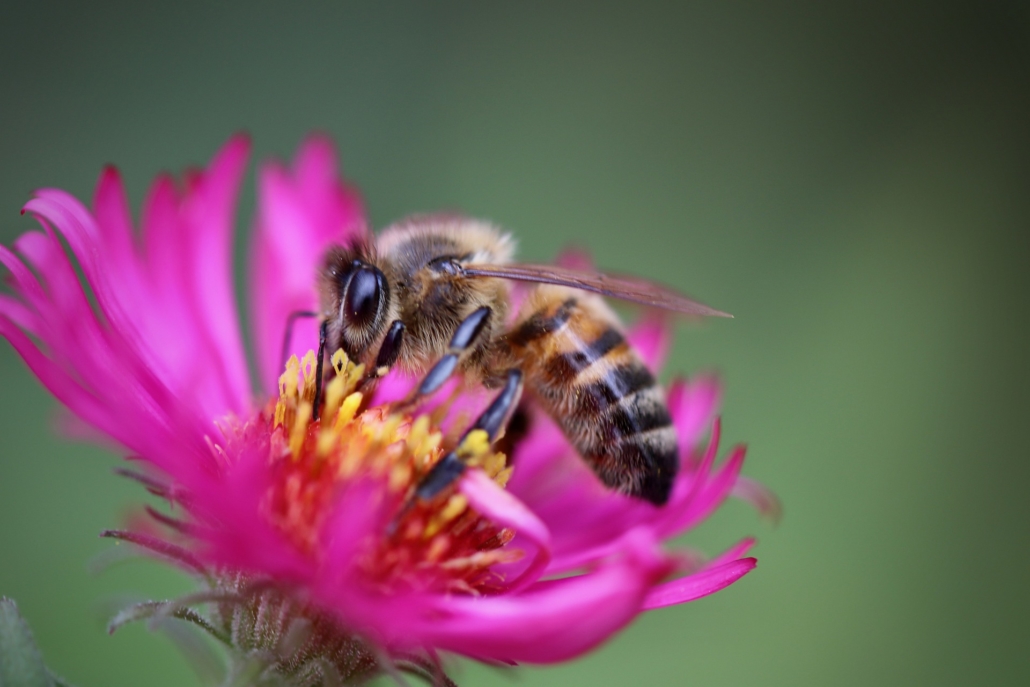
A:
{"x":439,"y":546}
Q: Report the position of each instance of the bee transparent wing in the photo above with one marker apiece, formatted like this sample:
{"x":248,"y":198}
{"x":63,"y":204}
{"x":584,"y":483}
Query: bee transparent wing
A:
{"x":630,"y":289}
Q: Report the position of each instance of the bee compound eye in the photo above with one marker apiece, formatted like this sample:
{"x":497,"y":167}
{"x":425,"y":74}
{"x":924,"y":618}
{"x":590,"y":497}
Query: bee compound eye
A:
{"x":364,"y":294}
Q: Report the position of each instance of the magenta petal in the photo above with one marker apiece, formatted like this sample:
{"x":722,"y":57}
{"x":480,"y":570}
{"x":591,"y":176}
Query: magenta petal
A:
{"x":711,"y":494}
{"x":209,"y":216}
{"x":650,"y":337}
{"x":759,"y":496}
{"x":300,"y":214}
{"x":736,"y":551}
{"x":693,"y":587}
{"x":575,"y":258}
{"x":692,"y":405}
{"x":111,"y":209}
{"x":553,"y":621}
{"x":130,"y":298}
{"x":501,"y":507}
{"x":159,"y":309}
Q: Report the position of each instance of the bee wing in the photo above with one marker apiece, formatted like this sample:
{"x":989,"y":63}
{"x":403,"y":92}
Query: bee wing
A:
{"x":632,"y":289}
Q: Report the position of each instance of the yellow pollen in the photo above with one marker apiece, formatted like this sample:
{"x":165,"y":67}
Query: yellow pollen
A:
{"x":502,"y":477}
{"x":474,"y":446}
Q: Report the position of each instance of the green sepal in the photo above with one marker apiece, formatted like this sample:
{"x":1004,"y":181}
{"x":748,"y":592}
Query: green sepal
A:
{"x":21,"y":664}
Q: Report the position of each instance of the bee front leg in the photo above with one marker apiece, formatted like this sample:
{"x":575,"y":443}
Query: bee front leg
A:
{"x":492,"y":421}
{"x":323,"y":330}
{"x":389,"y":351}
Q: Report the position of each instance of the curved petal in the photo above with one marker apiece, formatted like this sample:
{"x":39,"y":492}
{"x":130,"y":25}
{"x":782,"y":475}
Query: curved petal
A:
{"x":231,"y":524}
{"x":204,"y":336}
{"x":546,"y":624}
{"x":143,"y":363}
{"x":575,"y":258}
{"x":693,"y":405}
{"x":299,"y":216}
{"x":208,"y":213}
{"x":504,"y":509}
{"x":693,"y":587}
{"x":714,"y":489}
{"x":759,"y":496}
{"x":650,"y":337}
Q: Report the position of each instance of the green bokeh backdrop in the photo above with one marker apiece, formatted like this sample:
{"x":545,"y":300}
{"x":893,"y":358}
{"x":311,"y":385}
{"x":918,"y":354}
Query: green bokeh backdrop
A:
{"x":849,"y":179}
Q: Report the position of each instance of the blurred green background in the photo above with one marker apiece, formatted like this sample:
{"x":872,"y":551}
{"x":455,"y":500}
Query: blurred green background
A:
{"x":851,"y":180}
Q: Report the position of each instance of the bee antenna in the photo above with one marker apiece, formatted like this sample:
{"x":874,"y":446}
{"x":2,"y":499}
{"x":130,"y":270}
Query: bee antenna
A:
{"x":288,"y":333}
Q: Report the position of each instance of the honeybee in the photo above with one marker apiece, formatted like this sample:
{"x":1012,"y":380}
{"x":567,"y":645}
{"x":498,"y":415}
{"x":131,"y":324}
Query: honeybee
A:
{"x":430,"y":295}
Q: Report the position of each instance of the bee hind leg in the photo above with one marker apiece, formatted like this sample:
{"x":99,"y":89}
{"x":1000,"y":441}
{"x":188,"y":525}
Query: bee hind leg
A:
{"x":491,"y":421}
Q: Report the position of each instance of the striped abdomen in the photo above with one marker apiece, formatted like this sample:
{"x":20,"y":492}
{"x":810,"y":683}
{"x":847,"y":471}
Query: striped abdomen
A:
{"x":579,"y":366}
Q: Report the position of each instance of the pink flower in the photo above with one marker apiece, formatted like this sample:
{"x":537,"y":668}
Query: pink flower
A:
{"x":540,"y":571}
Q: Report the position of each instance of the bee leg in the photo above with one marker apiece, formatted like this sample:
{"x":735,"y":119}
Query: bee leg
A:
{"x":389,"y":351}
{"x":492,"y":421}
{"x":288,"y":334}
{"x":463,"y":338}
{"x":319,"y":366}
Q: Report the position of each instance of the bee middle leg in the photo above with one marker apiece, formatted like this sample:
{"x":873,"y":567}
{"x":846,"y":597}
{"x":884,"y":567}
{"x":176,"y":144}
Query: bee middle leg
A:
{"x":464,"y":336}
{"x":491,"y":421}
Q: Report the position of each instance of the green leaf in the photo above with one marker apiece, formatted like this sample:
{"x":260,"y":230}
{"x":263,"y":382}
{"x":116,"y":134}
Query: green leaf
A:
{"x":21,"y":664}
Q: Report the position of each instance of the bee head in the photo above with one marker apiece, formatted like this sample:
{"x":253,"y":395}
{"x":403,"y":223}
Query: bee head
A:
{"x":356,"y":297}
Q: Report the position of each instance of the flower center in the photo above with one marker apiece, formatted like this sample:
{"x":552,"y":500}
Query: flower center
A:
{"x":439,"y":545}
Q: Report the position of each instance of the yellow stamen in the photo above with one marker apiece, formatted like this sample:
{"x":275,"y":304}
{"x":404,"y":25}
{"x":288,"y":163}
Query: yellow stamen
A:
{"x":334,"y":393}
{"x":437,"y":548}
{"x":339,"y":361}
{"x":382,"y":443}
{"x":354,"y":374}
{"x":308,"y":363}
{"x":348,"y":410}
{"x":400,"y":476}
{"x":455,"y":506}
{"x":326,"y":441}
{"x":288,"y":379}
{"x":430,"y":445}
{"x":502,"y":477}
{"x":493,"y":463}
{"x":300,"y":429}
